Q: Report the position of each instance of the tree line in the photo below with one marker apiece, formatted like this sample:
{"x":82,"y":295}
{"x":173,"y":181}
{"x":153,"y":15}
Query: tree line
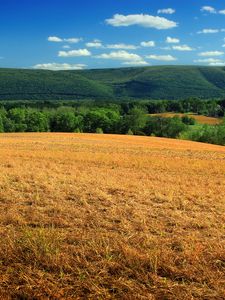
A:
{"x":211,"y":107}
{"x":111,"y":119}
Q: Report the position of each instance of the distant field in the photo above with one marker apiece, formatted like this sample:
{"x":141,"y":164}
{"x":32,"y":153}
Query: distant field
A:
{"x":199,"y":118}
{"x":87,"y":216}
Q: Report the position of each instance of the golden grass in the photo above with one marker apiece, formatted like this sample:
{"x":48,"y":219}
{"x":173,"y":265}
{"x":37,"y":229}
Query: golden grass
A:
{"x":87,"y":216}
{"x":199,"y":118}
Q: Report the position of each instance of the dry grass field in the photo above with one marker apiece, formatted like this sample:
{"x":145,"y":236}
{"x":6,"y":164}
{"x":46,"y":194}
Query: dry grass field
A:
{"x":86,"y":216}
{"x":199,"y":118}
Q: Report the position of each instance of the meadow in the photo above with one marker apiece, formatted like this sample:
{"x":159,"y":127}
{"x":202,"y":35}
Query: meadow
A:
{"x":91,"y":216}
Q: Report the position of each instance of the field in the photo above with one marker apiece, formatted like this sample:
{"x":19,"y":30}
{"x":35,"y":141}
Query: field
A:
{"x":87,"y":216}
{"x":199,"y":118}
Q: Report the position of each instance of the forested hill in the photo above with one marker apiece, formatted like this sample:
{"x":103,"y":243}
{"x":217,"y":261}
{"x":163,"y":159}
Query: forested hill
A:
{"x":161,"y":82}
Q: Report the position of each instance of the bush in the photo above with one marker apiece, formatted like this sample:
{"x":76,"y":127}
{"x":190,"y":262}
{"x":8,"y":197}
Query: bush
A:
{"x":130,"y":132}
{"x":99,"y":130}
{"x":188,"y":120}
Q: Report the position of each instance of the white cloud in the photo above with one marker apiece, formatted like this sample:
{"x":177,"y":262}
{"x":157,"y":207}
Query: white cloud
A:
{"x":208,"y":30}
{"x":211,"y":53}
{"x":136,"y":63}
{"x":121,"y":55}
{"x":162,"y":57}
{"x":148,"y":44}
{"x":94,"y":44}
{"x":182,"y":48}
{"x":165,"y":48}
{"x":168,"y":11}
{"x":208,"y":9}
{"x":170,"y":40}
{"x":212,"y":10}
{"x":211,"y":61}
{"x":73,"y":53}
{"x":57,"y":67}
{"x":57,"y":39}
{"x":208,"y":60}
{"x":66,"y":47}
{"x":72,"y":40}
{"x":217,"y":64}
{"x":141,"y":20}
{"x":121,"y":46}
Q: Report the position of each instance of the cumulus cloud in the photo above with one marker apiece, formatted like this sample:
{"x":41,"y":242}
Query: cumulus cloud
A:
{"x":212,"y":10}
{"x":57,"y":39}
{"x":211,"y":53}
{"x":208,"y":30}
{"x":121,"y":55}
{"x":208,"y":60}
{"x":121,"y":46}
{"x":211,"y":61}
{"x":73,"y":40}
{"x":66,"y":47}
{"x":141,"y":20}
{"x":94,"y":44}
{"x":162,"y":57}
{"x":208,"y":9}
{"x":57,"y":66}
{"x":136,"y":63}
{"x":170,"y":40}
{"x":168,"y":11}
{"x":217,"y":64}
{"x":148,"y":44}
{"x":182,"y":48}
{"x":74,"y":53}
{"x":165,"y":48}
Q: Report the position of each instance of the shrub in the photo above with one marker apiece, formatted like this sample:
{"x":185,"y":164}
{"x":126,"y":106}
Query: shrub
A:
{"x":99,"y":130}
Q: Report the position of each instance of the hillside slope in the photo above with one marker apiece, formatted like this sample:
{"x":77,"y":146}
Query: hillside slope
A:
{"x":161,"y":82}
{"x":88,"y":216}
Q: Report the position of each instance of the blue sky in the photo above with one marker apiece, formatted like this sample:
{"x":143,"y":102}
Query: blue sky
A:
{"x":71,"y":34}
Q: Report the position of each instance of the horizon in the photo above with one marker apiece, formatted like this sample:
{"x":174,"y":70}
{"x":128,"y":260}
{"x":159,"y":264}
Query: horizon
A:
{"x":112,"y":68}
{"x":63,"y":35}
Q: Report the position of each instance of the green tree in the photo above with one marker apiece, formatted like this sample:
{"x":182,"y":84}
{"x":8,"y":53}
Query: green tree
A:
{"x":36,"y":121}
{"x":64,"y":120}
{"x":18,"y":119}
{"x":106,"y":119}
{"x":135,"y":120}
{"x":1,"y":124}
{"x":165,"y":127}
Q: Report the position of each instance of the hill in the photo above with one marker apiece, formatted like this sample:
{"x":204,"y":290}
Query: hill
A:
{"x":86,"y":216}
{"x":160,"y":82}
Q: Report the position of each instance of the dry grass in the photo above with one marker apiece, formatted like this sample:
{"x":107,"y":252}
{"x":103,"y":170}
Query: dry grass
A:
{"x":110,"y":217}
{"x":199,"y":118}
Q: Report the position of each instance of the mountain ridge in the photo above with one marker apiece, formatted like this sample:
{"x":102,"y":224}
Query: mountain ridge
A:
{"x":154,"y":82}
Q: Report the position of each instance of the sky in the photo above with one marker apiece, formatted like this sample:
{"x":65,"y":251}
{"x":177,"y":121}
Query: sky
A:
{"x":90,"y":34}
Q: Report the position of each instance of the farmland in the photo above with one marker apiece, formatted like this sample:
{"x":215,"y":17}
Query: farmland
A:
{"x":88,"y":216}
{"x":199,"y":118}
